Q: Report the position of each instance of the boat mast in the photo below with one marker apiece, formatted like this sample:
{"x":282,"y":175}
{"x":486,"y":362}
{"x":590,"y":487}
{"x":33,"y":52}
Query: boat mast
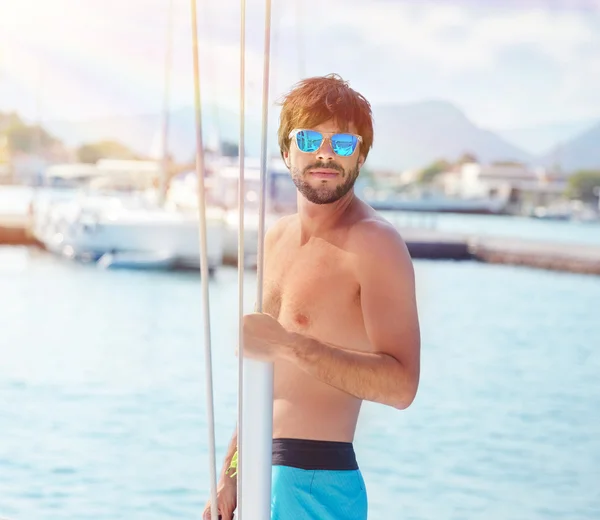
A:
{"x":164,"y":173}
{"x":257,"y":413}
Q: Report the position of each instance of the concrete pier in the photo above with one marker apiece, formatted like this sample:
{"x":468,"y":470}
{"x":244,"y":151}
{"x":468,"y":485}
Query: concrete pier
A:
{"x":435,"y":245}
{"x":571,"y":257}
{"x":574,"y":258}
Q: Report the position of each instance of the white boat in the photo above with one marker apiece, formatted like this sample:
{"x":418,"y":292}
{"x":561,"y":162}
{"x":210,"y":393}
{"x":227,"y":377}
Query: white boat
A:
{"x":50,"y":206}
{"x":144,"y":236}
{"x":69,"y":188}
{"x":222,"y":191}
{"x":136,"y":260}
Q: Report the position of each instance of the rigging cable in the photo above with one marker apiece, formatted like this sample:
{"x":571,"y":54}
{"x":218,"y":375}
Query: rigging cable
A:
{"x":204,"y":271}
{"x":258,"y":375}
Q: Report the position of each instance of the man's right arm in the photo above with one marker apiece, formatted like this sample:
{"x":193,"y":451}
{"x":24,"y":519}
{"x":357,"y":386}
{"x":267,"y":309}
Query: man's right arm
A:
{"x":226,"y":472}
{"x":226,"y":487}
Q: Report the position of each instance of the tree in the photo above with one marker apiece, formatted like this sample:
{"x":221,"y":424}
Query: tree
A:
{"x":582,"y":185}
{"x":429,"y":173}
{"x":24,"y":138}
{"x":93,"y":152}
{"x":466,"y":158}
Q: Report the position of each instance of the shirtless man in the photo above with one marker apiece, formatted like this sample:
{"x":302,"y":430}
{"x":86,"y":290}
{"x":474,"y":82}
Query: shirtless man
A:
{"x":340,"y":319}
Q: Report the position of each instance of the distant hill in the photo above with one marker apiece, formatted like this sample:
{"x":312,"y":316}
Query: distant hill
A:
{"x":413,"y":135}
{"x":406,"y":136}
{"x":540,"y":139}
{"x":143,"y":133}
{"x":582,"y":152}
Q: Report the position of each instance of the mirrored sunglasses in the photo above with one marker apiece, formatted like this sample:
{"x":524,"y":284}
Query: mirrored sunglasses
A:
{"x":309,"y":141}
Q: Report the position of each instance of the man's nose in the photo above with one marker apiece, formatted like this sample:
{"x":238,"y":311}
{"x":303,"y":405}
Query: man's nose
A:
{"x":325,"y":153}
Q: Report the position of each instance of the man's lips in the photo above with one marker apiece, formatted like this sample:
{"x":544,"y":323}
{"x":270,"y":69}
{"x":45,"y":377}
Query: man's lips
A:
{"x":324,"y":173}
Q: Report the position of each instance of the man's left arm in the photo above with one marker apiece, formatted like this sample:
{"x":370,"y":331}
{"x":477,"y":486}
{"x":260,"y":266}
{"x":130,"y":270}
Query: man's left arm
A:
{"x":389,"y":372}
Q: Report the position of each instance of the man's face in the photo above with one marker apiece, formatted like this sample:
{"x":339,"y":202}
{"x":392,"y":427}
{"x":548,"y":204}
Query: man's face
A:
{"x":324,"y":177}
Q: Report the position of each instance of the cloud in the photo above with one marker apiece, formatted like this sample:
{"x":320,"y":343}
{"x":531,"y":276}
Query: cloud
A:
{"x":108,"y":57}
{"x":409,"y":51}
{"x":455,"y":37}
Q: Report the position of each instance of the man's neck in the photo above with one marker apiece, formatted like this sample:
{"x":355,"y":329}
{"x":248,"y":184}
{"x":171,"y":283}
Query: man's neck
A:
{"x":318,"y":218}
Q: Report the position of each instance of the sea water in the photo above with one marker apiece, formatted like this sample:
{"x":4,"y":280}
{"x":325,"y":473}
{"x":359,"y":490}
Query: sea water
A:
{"x":102,"y":395}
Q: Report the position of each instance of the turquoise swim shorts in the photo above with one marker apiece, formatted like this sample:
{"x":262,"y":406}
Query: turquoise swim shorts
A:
{"x":316,"y":480}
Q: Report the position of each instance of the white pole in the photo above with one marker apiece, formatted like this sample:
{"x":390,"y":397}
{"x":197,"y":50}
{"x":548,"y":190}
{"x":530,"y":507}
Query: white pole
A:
{"x":257,"y":413}
{"x":241,"y":253}
{"x":204,"y":274}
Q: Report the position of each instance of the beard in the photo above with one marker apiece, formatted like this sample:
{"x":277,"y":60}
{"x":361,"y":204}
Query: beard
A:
{"x":324,"y":194}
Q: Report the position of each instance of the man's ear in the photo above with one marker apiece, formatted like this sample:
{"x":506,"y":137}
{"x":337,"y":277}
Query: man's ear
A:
{"x":361,"y":161}
{"x":286,"y":159}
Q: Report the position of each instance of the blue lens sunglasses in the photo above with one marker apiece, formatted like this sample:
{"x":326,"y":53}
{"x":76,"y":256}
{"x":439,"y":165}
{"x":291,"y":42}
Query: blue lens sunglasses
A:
{"x":309,"y":141}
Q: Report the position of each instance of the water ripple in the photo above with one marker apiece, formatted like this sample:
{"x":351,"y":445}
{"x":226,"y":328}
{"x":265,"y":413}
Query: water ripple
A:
{"x":103,"y":416}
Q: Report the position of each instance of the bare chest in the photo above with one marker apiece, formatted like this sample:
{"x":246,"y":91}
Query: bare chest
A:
{"x":314,"y":290}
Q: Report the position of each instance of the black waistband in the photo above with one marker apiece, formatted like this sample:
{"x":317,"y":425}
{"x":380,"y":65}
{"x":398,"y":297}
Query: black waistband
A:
{"x":310,"y":454}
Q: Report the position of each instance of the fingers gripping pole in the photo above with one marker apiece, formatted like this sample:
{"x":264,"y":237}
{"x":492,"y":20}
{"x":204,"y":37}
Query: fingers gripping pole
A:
{"x":204,"y":273}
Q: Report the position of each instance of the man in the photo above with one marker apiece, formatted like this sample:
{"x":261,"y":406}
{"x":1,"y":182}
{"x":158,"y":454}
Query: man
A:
{"x":340,"y":319}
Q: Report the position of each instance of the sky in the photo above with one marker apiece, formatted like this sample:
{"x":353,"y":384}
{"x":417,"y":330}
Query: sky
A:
{"x":506,"y":64}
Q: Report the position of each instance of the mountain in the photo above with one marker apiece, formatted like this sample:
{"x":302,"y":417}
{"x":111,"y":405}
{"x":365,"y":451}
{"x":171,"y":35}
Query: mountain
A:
{"x":143,"y":133}
{"x":580,"y":153}
{"x":540,"y":139}
{"x":413,"y":135}
{"x":137,"y":132}
{"x":406,"y":136}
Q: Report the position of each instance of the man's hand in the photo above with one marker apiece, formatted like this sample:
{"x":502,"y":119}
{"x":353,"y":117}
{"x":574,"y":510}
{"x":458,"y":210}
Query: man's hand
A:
{"x":264,"y":337}
{"x":226,"y":500}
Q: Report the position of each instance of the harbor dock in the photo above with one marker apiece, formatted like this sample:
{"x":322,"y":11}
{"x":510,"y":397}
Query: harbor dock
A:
{"x":429,"y":243}
{"x":574,"y":258}
{"x":435,"y":245}
{"x":432,"y":244}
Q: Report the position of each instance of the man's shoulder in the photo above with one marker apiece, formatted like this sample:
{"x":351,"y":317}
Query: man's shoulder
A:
{"x":377,"y":247}
{"x":373,"y":234}
{"x":279,"y":227}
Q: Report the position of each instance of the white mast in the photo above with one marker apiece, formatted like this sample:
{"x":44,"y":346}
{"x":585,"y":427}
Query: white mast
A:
{"x":165,"y":115}
{"x":256,"y":429}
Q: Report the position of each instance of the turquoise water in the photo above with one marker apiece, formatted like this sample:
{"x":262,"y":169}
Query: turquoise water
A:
{"x":102,"y":395}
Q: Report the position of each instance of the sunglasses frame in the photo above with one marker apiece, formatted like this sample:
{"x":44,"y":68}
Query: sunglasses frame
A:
{"x":328,"y":136}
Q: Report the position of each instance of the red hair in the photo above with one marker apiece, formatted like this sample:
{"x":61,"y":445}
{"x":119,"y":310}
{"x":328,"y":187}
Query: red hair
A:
{"x":315,"y":100}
